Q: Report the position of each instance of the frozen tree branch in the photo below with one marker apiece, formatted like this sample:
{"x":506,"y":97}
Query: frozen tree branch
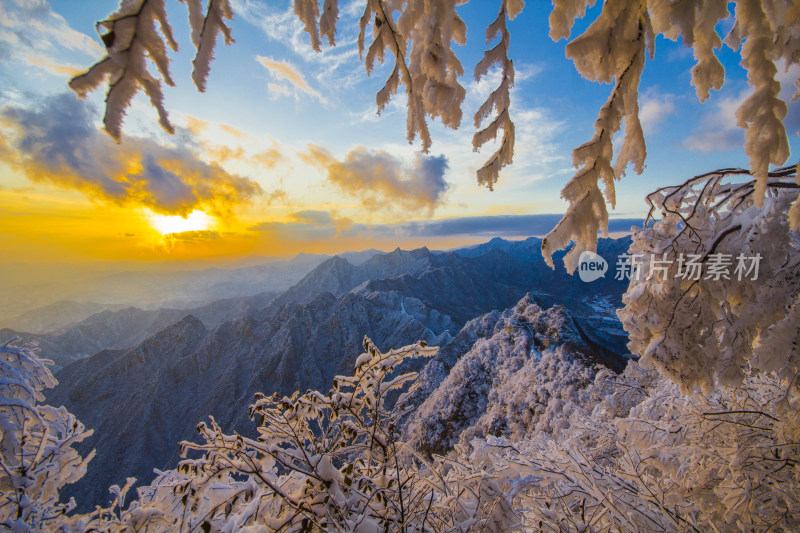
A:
{"x":737,"y":322}
{"x":499,"y":99}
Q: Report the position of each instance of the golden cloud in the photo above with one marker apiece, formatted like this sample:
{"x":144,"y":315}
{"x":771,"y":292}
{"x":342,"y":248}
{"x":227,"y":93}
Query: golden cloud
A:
{"x":57,"y":142}
{"x":283,"y":70}
{"x":382,"y":181}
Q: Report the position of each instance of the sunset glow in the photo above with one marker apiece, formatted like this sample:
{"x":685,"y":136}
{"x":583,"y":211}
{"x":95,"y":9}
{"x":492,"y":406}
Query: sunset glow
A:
{"x":284,"y":152}
{"x":194,"y":221}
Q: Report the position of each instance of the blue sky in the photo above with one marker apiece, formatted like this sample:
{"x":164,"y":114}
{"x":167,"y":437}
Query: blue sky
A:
{"x":300,"y":159}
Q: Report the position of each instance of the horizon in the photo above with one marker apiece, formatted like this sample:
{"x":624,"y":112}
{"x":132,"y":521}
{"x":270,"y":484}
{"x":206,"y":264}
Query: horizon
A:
{"x":228,"y":262}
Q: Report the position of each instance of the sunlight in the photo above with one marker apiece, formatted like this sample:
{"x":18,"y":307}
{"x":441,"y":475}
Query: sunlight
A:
{"x":194,"y":221}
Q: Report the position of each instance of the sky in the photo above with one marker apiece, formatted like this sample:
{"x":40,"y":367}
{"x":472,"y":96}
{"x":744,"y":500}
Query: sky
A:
{"x":285,"y":152}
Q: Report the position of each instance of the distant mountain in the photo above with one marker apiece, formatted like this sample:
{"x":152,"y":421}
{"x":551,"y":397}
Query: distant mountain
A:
{"x":55,"y":317}
{"x":357,"y":258}
{"x":527,"y":250}
{"x":337,"y":275}
{"x":125,"y":328}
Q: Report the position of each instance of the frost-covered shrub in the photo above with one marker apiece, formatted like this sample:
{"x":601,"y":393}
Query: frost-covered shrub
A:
{"x":36,"y":454}
{"x":648,"y":458}
{"x":321,"y":463}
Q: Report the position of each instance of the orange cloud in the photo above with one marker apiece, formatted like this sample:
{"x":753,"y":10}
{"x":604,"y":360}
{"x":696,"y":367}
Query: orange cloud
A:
{"x":309,"y":225}
{"x":46,"y":64}
{"x":382,"y":181}
{"x":58,"y":143}
{"x":196,"y":125}
{"x":233,"y":131}
{"x":283,"y":70}
{"x":201,"y":131}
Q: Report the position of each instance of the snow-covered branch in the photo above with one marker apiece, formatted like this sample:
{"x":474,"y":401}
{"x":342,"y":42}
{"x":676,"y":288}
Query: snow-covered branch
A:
{"x":131,"y":37}
{"x":613,"y":47}
{"x":717,"y":291}
{"x":37,"y":457}
{"x":500,"y":99}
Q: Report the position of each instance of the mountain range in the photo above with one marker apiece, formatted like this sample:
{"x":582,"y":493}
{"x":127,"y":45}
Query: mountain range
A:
{"x":142,"y":400}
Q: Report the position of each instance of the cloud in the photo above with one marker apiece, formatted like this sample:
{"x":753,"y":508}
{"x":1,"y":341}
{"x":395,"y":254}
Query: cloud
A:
{"x":309,"y":225}
{"x":57,"y":69}
{"x":653,"y":110}
{"x":790,"y":85}
{"x":283,"y":70}
{"x":30,"y":31}
{"x":277,"y":194}
{"x":718,"y":131}
{"x":333,"y":66}
{"x":236,"y":132}
{"x":205,"y":137}
{"x":382,"y":181}
{"x":56,"y":141}
{"x":190,"y":236}
{"x":322,"y":225}
{"x":484,"y":226}
{"x":278,"y":89}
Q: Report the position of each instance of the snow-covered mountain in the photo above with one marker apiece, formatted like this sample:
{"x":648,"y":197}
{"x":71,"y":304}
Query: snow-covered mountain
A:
{"x":515,"y":376}
{"x":338,"y":275}
{"x":142,"y":401}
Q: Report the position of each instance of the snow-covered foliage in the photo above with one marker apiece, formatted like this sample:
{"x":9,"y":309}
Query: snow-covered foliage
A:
{"x":717,"y":291}
{"x":418,"y":35}
{"x":131,"y":37}
{"x":511,"y":382}
{"x":641,"y":456}
{"x":500,"y":99}
{"x":612,"y":50}
{"x":320,"y":463}
{"x":36,"y":454}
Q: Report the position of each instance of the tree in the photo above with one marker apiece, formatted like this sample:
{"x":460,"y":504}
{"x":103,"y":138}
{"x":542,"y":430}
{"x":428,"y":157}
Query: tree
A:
{"x":642,"y":456}
{"x":418,"y":34}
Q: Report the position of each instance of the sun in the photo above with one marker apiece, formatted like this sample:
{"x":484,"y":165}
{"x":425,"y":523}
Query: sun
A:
{"x":194,"y":221}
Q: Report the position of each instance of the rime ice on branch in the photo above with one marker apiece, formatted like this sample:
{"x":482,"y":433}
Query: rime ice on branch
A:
{"x":709,"y":330}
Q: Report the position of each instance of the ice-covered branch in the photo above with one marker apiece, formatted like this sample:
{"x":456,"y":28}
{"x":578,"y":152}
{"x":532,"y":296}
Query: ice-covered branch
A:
{"x":613,"y":48}
{"x":130,"y":37}
{"x":36,"y":454}
{"x":500,"y":99}
{"x":204,"y":35}
{"x":719,"y":269}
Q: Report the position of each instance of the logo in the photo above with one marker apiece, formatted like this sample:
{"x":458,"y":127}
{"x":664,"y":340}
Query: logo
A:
{"x":591,"y":266}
